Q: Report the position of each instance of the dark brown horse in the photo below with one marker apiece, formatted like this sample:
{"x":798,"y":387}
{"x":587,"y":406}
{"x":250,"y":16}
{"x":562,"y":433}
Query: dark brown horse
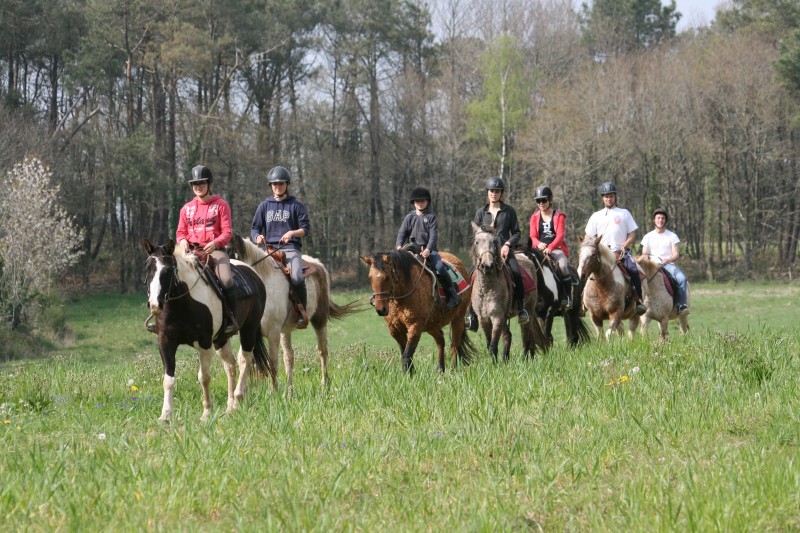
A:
{"x":607,"y":291}
{"x":403,"y":292}
{"x":189,"y":311}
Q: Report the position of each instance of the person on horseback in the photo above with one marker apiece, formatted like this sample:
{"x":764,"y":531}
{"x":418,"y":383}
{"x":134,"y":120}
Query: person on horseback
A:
{"x":421,"y":230}
{"x":205,"y":223}
{"x":662,"y":246}
{"x":281,"y":221}
{"x":617,"y":228}
{"x":547,"y":231}
{"x":503,"y":218}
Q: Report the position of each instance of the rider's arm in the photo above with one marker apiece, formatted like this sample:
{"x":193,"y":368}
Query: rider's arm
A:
{"x":628,"y":240}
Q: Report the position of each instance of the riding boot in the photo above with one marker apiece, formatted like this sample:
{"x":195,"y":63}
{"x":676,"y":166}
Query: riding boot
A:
{"x":453,"y":299}
{"x":566,"y":285}
{"x":231,"y":326}
{"x":302,"y":302}
{"x":472,"y":319}
{"x":519,"y":293}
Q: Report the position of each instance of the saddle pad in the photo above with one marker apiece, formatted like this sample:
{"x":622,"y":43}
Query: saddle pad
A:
{"x":458,"y":280}
{"x":669,"y":282}
{"x":528,"y":283}
{"x":242,"y":283}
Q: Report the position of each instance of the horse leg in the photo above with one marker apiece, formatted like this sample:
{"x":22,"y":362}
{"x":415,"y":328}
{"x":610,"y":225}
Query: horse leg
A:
{"x":229,"y":364}
{"x":664,"y":325}
{"x":438,"y":337}
{"x":245,"y":360}
{"x":632,"y":325}
{"x":408,"y":352}
{"x":322,"y":351}
{"x":492,"y":332}
{"x":644,"y":324}
{"x":204,"y":377}
{"x":168,"y":358}
{"x":506,"y":333}
{"x":288,"y":361}
{"x":614,"y":325}
{"x":684,"y":322}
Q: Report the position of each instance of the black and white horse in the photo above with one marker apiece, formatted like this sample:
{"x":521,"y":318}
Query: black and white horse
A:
{"x":189,"y":311}
{"x":549,"y":304}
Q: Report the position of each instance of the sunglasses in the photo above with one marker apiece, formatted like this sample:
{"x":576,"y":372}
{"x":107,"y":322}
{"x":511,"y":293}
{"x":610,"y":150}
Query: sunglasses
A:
{"x":542,"y":201}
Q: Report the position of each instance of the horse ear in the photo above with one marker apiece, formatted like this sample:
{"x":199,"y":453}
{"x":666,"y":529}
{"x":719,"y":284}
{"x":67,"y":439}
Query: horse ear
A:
{"x":148,"y":246}
{"x":366,"y":260}
{"x":170,"y":247}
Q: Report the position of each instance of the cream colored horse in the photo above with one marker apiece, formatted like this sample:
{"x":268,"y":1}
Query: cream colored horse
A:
{"x":659,"y":303}
{"x":607,"y":294}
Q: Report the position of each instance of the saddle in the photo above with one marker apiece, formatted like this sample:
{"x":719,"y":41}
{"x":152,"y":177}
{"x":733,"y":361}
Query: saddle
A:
{"x":206,"y":265}
{"x":458,"y":280}
{"x":670,"y":284}
{"x":279,"y":259}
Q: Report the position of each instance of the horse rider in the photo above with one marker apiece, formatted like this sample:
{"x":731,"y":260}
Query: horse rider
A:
{"x":547,"y":232}
{"x":281,"y":221}
{"x":421,"y":230}
{"x":662,"y":246}
{"x":503,"y":219}
{"x":205,"y":223}
{"x":617,"y":229}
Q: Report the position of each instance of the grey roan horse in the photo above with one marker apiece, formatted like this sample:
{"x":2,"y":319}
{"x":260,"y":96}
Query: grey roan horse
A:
{"x":493,"y":296}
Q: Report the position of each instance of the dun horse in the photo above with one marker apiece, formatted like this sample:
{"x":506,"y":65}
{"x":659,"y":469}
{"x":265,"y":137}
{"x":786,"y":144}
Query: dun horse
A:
{"x":549,"y":303}
{"x":493,"y":296}
{"x":403,"y":292}
{"x":607,"y":291}
{"x":659,"y":302}
{"x":279,"y":318}
{"x":188,"y":311}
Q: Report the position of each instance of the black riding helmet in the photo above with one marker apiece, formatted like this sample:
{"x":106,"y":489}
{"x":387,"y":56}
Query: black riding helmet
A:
{"x":201,"y":173}
{"x":543,"y":192}
{"x":661,"y":211}
{"x":279,"y":175}
{"x":495,"y":182}
{"x":607,"y":188}
{"x":419,"y":193}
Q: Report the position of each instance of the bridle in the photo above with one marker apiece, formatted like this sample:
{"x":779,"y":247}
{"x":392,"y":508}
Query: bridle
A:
{"x":596,"y":259}
{"x":494,"y":253}
{"x":390,"y":292}
{"x":174,"y":282}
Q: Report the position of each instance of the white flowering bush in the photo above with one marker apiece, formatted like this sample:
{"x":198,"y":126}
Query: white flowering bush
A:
{"x":38,"y":240}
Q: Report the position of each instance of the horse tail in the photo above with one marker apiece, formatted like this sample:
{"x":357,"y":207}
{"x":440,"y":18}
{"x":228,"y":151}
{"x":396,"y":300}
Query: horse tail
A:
{"x":261,"y":356}
{"x":466,"y":350}
{"x":338,"y":312}
{"x":577,"y":332}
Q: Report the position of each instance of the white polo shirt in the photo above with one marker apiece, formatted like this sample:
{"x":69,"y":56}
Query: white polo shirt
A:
{"x":660,"y":244}
{"x":613,"y":225}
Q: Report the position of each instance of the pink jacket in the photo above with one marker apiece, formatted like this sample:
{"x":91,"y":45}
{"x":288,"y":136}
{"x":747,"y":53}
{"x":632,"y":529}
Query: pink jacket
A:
{"x":201,"y":223}
{"x":559,"y":226}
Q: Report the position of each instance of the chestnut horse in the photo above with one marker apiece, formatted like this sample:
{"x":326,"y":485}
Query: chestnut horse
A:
{"x":189,"y":311}
{"x":607,"y":291}
{"x":403,"y":292}
{"x":659,"y":302}
{"x":493,"y":296}
{"x":279,"y":318}
{"x":548,"y":305}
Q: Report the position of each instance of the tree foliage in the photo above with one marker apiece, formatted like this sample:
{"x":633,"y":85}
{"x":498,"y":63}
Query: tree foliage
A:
{"x":38,"y":238}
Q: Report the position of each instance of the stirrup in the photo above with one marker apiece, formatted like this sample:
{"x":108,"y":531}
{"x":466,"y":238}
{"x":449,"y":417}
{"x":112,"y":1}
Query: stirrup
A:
{"x":640,"y":308}
{"x":523,"y":317}
{"x":471,"y":322}
{"x":302,"y":317}
{"x":566,"y":303}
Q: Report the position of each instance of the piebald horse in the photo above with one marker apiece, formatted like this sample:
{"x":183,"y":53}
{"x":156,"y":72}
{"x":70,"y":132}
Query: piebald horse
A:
{"x":659,"y":302}
{"x":493,"y":296}
{"x":188,"y":311}
{"x":607,"y":291}
{"x":279,"y":320}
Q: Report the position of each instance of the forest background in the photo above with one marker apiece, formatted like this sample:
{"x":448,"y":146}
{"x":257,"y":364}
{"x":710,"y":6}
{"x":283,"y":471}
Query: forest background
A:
{"x":105,"y":105}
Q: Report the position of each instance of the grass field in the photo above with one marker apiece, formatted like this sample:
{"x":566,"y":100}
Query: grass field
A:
{"x":698,"y":434}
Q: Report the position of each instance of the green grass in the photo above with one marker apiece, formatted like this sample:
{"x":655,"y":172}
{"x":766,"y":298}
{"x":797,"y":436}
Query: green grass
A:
{"x":700,"y":433}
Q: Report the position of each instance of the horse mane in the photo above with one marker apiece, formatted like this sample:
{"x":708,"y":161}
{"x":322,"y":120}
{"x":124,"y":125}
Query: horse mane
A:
{"x":605,"y":252}
{"x":402,"y":260}
{"x":649,"y":266}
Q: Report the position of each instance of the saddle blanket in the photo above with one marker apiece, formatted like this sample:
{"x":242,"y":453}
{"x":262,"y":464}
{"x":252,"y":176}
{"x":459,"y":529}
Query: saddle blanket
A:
{"x":528,"y":283}
{"x":458,"y":280}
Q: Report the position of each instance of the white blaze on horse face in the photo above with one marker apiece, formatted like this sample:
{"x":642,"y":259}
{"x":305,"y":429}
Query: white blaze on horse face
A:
{"x":155,"y":287}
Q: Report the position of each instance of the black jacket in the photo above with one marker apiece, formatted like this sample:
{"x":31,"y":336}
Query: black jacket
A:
{"x":505,"y":223}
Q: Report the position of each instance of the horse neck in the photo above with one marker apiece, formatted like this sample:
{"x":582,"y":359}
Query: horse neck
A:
{"x":187,"y":273}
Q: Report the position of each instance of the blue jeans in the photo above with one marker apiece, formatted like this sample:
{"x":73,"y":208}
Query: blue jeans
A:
{"x":680,"y":278}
